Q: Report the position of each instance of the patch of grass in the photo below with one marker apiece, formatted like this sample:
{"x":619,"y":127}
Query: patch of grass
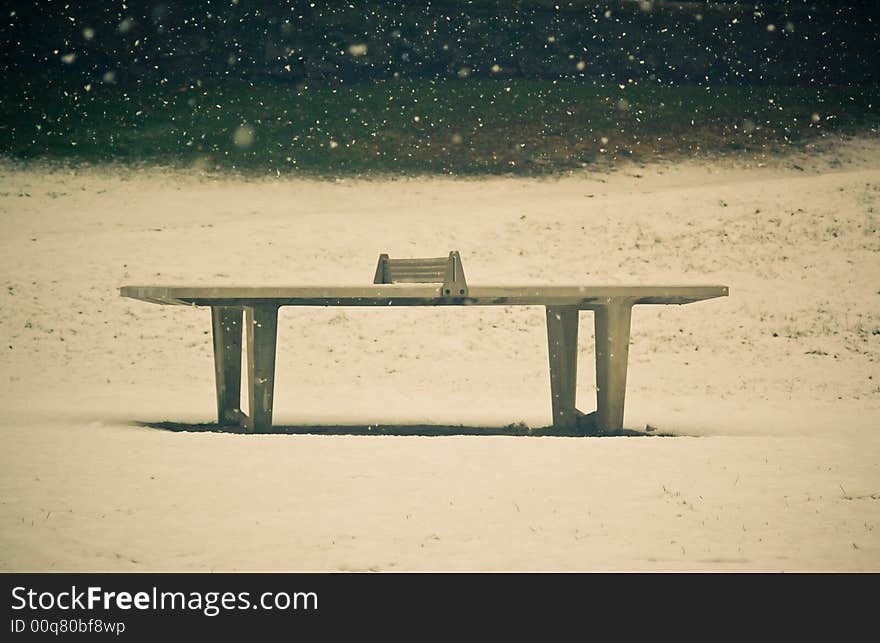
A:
{"x":461,"y":127}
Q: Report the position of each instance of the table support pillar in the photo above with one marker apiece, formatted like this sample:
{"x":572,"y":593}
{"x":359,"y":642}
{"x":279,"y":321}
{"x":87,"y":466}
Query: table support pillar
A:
{"x":612,"y":351}
{"x":226,"y":323}
{"x":562,"y":335}
{"x":262,"y":332}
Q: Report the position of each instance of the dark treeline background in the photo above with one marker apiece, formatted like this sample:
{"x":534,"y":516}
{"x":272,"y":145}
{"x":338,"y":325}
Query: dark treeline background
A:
{"x":329,"y":43}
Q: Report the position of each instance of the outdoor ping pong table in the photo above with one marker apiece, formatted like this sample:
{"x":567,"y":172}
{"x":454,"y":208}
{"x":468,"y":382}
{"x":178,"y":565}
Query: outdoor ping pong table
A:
{"x":611,"y":306}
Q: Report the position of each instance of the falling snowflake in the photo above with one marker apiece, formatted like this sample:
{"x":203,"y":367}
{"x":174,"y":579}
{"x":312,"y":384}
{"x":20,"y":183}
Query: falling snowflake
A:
{"x":244,"y":136}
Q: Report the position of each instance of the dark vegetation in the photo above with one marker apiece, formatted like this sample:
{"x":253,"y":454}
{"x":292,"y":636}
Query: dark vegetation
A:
{"x":430,"y":87}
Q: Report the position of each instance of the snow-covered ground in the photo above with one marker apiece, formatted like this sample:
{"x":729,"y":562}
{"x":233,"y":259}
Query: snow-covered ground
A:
{"x":772,"y":394}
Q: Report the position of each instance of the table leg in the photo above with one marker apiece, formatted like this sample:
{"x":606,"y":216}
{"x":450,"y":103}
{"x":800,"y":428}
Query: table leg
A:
{"x":226,"y":323}
{"x":262,"y":331}
{"x":562,"y":334}
{"x":612,"y":350}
